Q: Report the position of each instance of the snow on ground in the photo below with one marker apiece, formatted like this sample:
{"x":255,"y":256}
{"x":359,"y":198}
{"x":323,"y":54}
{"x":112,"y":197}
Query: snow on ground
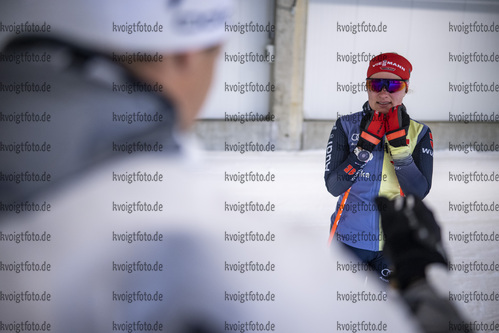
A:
{"x":298,"y":193}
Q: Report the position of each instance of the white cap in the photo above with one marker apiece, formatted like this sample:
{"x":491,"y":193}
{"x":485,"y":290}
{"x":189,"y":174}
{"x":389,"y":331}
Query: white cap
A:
{"x":166,"y":26}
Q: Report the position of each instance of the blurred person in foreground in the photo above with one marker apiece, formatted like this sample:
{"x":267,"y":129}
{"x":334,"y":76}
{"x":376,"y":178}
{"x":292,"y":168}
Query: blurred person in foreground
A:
{"x":111,"y":77}
{"x":379,"y":151}
{"x":92,"y":282}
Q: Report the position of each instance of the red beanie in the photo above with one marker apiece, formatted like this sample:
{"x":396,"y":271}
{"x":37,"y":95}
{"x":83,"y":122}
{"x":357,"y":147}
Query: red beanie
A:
{"x":391,"y":63}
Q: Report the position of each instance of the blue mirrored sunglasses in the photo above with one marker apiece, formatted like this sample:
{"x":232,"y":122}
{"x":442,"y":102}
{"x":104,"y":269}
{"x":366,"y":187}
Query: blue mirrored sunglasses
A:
{"x":390,"y":85}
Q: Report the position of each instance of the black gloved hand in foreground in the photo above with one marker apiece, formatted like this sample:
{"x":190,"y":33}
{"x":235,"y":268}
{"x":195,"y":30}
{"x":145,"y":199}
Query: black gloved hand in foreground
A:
{"x":413,"y":238}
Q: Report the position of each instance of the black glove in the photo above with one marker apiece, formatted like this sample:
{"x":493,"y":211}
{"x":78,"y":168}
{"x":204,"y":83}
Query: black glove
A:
{"x":372,"y":126}
{"x":397,"y":125}
{"x":413,"y":239}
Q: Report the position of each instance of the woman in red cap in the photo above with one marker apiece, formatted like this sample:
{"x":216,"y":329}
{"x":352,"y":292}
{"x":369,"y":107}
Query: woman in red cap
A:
{"x":379,"y":151}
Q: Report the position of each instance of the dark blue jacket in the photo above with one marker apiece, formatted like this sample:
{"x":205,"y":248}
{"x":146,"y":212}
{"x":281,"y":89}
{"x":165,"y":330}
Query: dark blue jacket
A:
{"x":357,"y":183}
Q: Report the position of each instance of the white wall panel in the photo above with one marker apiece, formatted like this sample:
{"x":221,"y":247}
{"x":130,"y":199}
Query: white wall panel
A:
{"x":221,"y":100}
{"x":422,"y":31}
